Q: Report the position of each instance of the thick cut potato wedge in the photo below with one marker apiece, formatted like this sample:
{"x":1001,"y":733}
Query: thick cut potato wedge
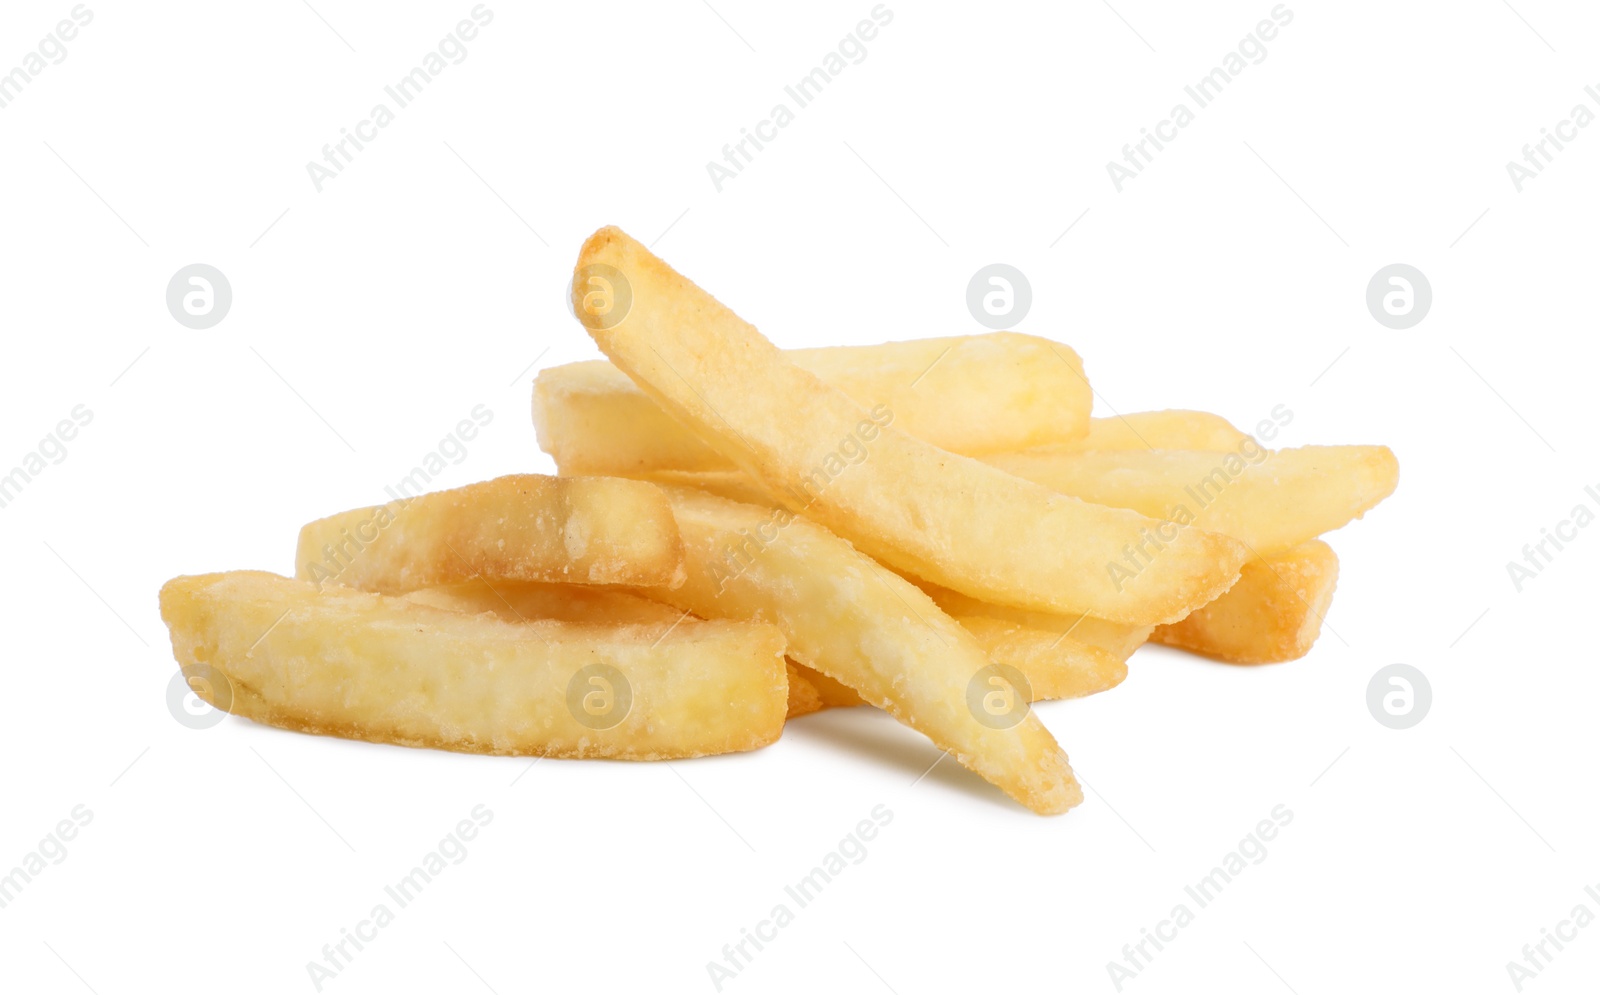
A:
{"x":1274,"y":613}
{"x":1269,"y":500}
{"x":365,"y":666}
{"x":851,"y":619}
{"x":528,"y":527}
{"x":945,"y":518}
{"x":969,"y":394}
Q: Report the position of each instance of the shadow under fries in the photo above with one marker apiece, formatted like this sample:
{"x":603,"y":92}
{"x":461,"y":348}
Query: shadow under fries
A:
{"x":867,"y":732}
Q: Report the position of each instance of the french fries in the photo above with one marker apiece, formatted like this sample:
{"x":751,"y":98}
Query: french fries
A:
{"x":945,"y":518}
{"x":804,"y":698}
{"x":853,"y":620}
{"x":1117,"y":641}
{"x":1055,"y":664}
{"x":969,"y":394}
{"x":1171,"y":429}
{"x":525,"y":601}
{"x":1269,"y":500}
{"x":829,"y":692}
{"x":529,"y":527}
{"x":934,"y":527}
{"x":347,"y":663}
{"x":1274,"y":613}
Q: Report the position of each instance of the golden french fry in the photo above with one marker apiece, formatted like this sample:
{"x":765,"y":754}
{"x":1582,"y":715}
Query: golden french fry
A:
{"x":830,"y":693}
{"x":1116,"y":640}
{"x":348,"y":663}
{"x":1271,"y":500}
{"x":735,"y":485}
{"x":1057,"y":666}
{"x":804,"y":696}
{"x":968,"y":394}
{"x":528,"y":527}
{"x":1171,"y":429}
{"x":1274,"y":613}
{"x":525,"y":601}
{"x":851,"y":619}
{"x":945,"y":518}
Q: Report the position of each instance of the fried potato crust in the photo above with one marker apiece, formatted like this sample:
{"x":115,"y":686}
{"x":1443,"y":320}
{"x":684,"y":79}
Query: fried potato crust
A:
{"x":347,"y":663}
{"x":1274,"y":613}
{"x":849,"y":618}
{"x":945,"y":518}
{"x":967,"y":394}
{"x":526,"y":527}
{"x":1271,"y":500}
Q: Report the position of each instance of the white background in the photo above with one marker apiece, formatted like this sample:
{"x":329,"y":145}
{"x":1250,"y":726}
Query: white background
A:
{"x":427,"y":279}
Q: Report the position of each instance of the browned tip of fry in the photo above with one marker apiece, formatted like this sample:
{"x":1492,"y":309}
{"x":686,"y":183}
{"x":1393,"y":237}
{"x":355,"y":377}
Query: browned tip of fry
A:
{"x":602,"y":237}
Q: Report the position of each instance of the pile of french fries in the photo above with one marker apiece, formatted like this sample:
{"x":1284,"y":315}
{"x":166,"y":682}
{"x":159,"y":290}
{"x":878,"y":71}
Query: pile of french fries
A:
{"x":742,"y":535}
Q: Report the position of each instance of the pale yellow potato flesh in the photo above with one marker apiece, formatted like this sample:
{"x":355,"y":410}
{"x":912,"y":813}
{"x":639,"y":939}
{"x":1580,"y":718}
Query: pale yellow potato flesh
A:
{"x":526,"y":601}
{"x":735,"y":485}
{"x":1270,"y":500}
{"x":1056,"y":665}
{"x":804,"y":696}
{"x":968,"y":394}
{"x":944,"y":518}
{"x":1274,"y":613}
{"x":849,"y":618}
{"x":347,"y":663}
{"x":1117,"y":640}
{"x":527,"y":527}
{"x":1169,"y":429}
{"x":519,"y":601}
{"x":829,"y":692}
